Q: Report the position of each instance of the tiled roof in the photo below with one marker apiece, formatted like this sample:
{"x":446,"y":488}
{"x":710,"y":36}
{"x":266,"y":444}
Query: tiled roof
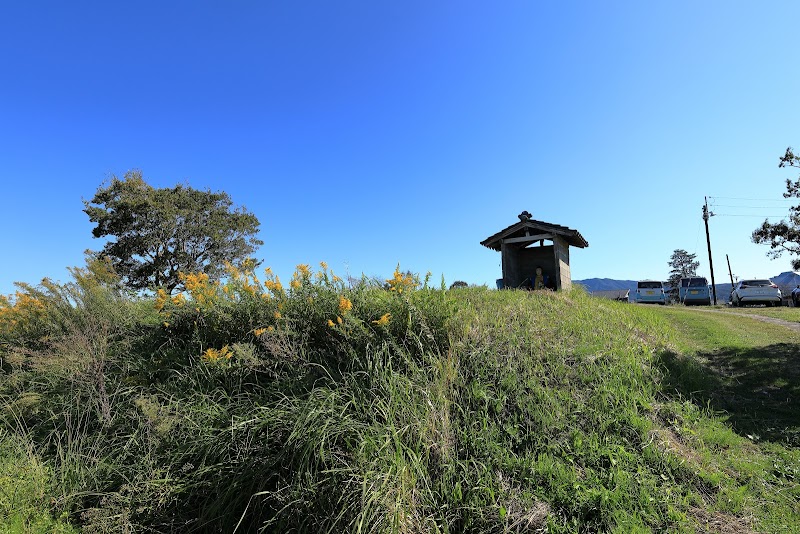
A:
{"x":573,"y":237}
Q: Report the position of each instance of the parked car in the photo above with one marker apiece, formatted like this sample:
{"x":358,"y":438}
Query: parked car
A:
{"x":694,"y":290}
{"x":650,"y":291}
{"x":758,"y":291}
{"x":796,"y":296}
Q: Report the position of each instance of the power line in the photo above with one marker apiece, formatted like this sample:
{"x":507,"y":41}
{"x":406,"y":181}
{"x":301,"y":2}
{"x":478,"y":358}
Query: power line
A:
{"x":743,"y":207}
{"x":756,"y":199}
{"x":746,"y":215}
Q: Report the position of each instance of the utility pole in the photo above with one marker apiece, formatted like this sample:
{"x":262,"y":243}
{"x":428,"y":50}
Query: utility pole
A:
{"x":729,"y":270}
{"x":706,"y":215}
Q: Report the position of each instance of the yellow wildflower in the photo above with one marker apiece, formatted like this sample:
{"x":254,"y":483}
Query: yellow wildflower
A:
{"x":270,"y":328}
{"x":331,"y":323}
{"x":277,"y":315}
{"x":161,"y":299}
{"x":384,"y":320}
{"x":259,"y":331}
{"x":295,"y":284}
{"x":345,"y":305}
{"x":303,"y":270}
{"x":338,"y":319}
{"x":179,"y":299}
{"x":400,"y":282}
{"x":166,"y":324}
{"x":212,"y":355}
{"x":323,"y":265}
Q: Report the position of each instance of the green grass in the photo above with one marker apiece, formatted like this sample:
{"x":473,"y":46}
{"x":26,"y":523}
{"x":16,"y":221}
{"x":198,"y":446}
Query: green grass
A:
{"x":464,"y":411}
{"x":786,"y":313}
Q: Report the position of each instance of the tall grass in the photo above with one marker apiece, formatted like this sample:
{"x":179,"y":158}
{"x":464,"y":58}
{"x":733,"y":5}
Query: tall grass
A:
{"x":331,"y":407}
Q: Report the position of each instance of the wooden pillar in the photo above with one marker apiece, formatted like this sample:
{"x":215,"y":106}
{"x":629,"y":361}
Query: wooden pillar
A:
{"x":563,"y":275}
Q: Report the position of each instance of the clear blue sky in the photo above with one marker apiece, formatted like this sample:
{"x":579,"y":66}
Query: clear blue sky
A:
{"x":370,"y":133}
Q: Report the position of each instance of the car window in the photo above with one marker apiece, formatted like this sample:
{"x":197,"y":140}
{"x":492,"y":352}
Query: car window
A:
{"x":757,"y":283}
{"x":649,"y":285}
{"x":698,"y":282}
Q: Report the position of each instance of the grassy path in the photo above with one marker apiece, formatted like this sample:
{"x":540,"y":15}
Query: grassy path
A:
{"x":745,"y":367}
{"x":787,"y":320}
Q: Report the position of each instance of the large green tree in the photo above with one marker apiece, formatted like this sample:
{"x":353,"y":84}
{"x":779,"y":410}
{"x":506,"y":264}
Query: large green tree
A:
{"x":682,"y":264}
{"x":157,"y":233}
{"x":784,"y":236}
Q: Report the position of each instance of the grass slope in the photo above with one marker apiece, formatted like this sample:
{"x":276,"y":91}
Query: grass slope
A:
{"x":328,"y":408}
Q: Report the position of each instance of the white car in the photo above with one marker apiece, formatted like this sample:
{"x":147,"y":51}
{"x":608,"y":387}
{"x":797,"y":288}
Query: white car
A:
{"x":761,"y":291}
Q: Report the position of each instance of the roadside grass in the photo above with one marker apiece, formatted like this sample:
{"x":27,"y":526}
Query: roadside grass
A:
{"x":745,"y":374}
{"x":397,"y":408}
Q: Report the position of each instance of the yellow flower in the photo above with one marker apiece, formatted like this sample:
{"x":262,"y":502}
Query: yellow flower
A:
{"x":331,"y":323}
{"x":179,"y":299}
{"x":270,"y":328}
{"x":399,"y":281}
{"x":384,"y":320}
{"x":166,"y":324}
{"x":303,"y":270}
{"x":161,"y":299}
{"x":338,"y":319}
{"x":212,"y":355}
{"x":259,"y":331}
{"x":295,"y":284}
{"x":277,"y":315}
{"x":344,"y":304}
{"x":323,"y":265}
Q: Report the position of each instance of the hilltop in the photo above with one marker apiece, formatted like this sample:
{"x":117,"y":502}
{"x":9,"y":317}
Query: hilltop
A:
{"x":330,"y":407}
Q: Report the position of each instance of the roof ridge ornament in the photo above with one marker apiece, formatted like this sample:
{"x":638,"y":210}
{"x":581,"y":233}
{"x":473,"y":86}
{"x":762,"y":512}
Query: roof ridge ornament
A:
{"x":524,"y":216}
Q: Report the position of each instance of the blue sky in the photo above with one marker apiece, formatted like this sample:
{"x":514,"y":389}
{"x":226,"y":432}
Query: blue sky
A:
{"x":367,"y":134}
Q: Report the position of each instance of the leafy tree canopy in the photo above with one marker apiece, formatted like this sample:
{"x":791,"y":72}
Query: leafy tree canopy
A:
{"x":784,"y":236}
{"x":158,"y":233}
{"x":682,"y":264}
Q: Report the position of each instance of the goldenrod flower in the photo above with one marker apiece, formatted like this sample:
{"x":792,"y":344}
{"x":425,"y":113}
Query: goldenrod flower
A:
{"x":295,"y":284}
{"x":303,"y":270}
{"x":331,"y":323}
{"x":323,"y":265}
{"x":338,"y":319}
{"x":277,"y":315}
{"x":344,"y":304}
{"x":399,"y":281}
{"x":161,"y":299}
{"x":384,"y":320}
{"x":212,"y":355}
{"x":179,"y":299}
{"x":270,"y":328}
{"x":259,"y":331}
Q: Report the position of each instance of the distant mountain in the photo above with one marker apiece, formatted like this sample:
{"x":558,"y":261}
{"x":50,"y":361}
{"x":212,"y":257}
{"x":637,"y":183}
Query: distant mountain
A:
{"x":786,"y":281}
{"x":605,"y":284}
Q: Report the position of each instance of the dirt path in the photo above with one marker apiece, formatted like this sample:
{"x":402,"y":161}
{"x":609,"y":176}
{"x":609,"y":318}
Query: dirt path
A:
{"x":788,"y":324}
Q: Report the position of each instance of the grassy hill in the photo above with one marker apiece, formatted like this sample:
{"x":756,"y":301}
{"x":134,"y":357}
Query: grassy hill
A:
{"x":325,"y":407}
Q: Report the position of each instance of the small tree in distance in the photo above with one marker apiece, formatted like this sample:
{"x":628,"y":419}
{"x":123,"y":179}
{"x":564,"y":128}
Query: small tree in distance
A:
{"x":682,"y":264}
{"x":159,"y":233}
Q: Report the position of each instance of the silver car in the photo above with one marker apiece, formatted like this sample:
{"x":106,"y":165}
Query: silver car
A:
{"x":762,"y":291}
